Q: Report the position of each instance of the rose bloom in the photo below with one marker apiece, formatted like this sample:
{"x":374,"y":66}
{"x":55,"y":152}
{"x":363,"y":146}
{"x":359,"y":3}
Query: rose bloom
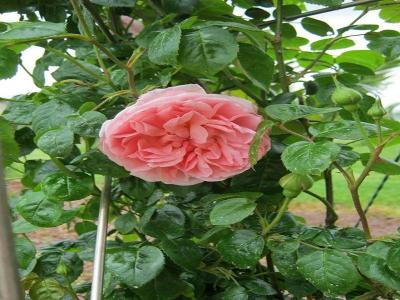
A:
{"x":135,"y":26}
{"x":182,"y":135}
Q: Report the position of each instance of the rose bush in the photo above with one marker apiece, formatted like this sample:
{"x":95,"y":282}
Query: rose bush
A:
{"x":200,"y":131}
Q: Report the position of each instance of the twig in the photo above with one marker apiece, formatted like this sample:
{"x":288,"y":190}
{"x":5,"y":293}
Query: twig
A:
{"x":96,"y":16}
{"x":374,"y":156}
{"x":329,"y":45}
{"x":278,"y":216}
{"x":363,"y":132}
{"x":62,"y":167}
{"x":321,"y":11}
{"x":277,"y":43}
{"x":240,"y":85}
{"x":74,"y":61}
{"x":376,"y":193}
{"x":331,"y":216}
{"x":88,"y":33}
{"x":323,"y":200}
{"x":283,"y":128}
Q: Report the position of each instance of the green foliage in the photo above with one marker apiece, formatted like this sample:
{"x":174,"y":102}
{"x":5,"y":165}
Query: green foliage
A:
{"x":232,"y":239}
{"x":207,"y":51}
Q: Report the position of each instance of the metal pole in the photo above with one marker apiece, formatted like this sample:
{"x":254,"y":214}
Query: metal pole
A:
{"x":9,"y":278}
{"x":100,"y":248}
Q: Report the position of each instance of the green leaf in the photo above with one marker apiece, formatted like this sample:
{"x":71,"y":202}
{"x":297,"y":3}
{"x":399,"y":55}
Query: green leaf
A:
{"x":232,"y":25}
{"x":8,"y":63}
{"x":96,"y":162}
{"x":57,"y":142}
{"x":85,"y":227}
{"x":338,"y":44}
{"x":55,"y":257}
{"x":210,"y":8}
{"x":289,"y":112}
{"x":207,"y":51}
{"x":235,"y":292}
{"x":242,"y":248}
{"x":37,"y":209}
{"x":25,"y":252}
{"x":48,"y":289}
{"x":137,"y":188}
{"x":309,"y":158}
{"x":390,"y":14}
{"x":31,"y":30}
{"x":50,"y":115}
{"x":163,"y":50}
{"x":259,"y":287}
{"x":183,"y":252}
{"x":342,"y":130}
{"x":393,"y":258}
{"x":125,"y":223}
{"x":168,"y":221}
{"x":364,"y":62}
{"x":9,"y":146}
{"x":330,"y":270}
{"x":373,"y":265}
{"x":347,"y":158}
{"x":256,"y":65}
{"x":61,"y":187}
{"x":136,"y":268}
{"x":88,"y":124}
{"x":19,"y":112}
{"x":115,"y":3}
{"x":382,"y":165}
{"x":316,"y":26}
{"x":185,"y":7}
{"x":231,"y":211}
{"x":22,"y":226}
{"x":262,"y":129}
{"x":167,"y":285}
{"x":386,"y":42}
{"x":286,"y":264}
{"x":69,"y":70}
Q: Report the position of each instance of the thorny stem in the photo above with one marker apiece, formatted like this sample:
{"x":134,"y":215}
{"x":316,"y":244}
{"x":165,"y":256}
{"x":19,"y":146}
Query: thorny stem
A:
{"x":86,"y":30}
{"x":328,"y":205}
{"x":131,"y":62}
{"x":96,"y":16}
{"x":363,"y":132}
{"x":356,"y":199}
{"x":37,"y":81}
{"x":331,"y":216}
{"x":62,"y":167}
{"x":322,"y":10}
{"x":74,"y":61}
{"x":278,"y":216}
{"x":357,"y":204}
{"x":237,"y":83}
{"x":285,"y":129}
{"x":277,"y":43}
{"x":271,"y":269}
{"x":374,"y":156}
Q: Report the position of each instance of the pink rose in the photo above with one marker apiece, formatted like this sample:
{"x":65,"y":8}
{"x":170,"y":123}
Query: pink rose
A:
{"x":134,"y":27}
{"x":182,"y":135}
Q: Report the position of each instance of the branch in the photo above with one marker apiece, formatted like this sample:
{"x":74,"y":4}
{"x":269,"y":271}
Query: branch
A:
{"x":277,"y":43}
{"x":96,"y":16}
{"x":278,"y":216}
{"x":330,"y":44}
{"x":331,"y":216}
{"x":321,"y":11}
